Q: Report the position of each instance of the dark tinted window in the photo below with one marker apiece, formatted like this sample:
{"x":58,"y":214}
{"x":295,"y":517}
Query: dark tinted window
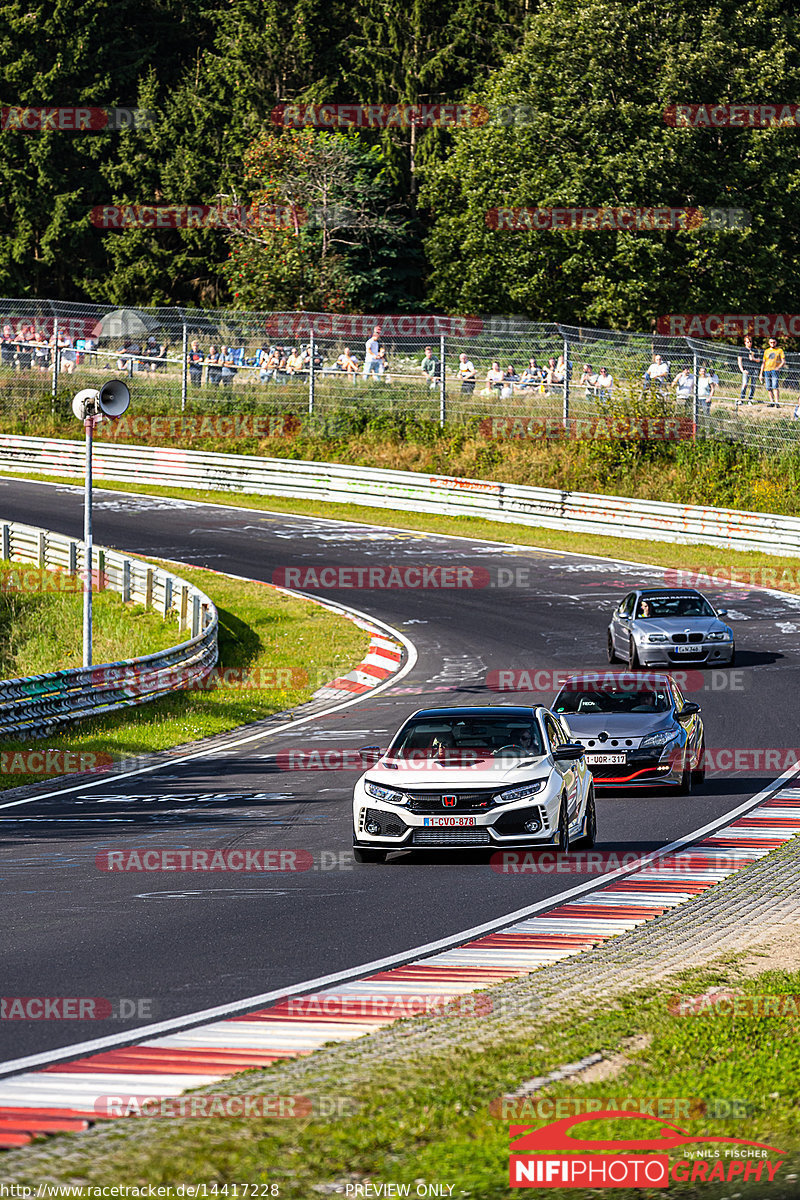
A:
{"x":674,"y":606}
{"x":437,"y":735}
{"x":602,"y":698}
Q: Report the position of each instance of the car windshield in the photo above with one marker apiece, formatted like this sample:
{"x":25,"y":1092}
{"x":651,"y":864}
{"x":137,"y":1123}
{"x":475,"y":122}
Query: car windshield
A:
{"x":673,"y":606}
{"x":467,"y":738}
{"x":611,"y":698}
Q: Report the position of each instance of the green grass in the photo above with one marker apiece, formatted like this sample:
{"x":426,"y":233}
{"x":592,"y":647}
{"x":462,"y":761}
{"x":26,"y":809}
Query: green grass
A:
{"x":430,"y":1115}
{"x":288,"y":646}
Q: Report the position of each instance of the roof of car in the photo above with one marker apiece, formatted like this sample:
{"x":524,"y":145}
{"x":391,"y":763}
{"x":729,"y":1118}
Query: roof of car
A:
{"x":643,"y":677}
{"x":676,"y":591}
{"x":507,"y":710}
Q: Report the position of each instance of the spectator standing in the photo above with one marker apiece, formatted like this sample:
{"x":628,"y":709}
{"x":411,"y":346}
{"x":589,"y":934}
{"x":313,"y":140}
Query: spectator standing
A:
{"x":771,"y":366}
{"x":657,"y":373}
{"x":430,"y":367}
{"x":588,"y":380}
{"x":228,"y":373}
{"x":195,"y":364}
{"x":374,"y":355}
{"x":466,"y":373}
{"x":749,"y":363}
{"x":214,"y":362}
{"x":705,"y":390}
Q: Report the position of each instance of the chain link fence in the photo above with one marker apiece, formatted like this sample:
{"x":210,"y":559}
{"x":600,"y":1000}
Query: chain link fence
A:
{"x":516,"y":377}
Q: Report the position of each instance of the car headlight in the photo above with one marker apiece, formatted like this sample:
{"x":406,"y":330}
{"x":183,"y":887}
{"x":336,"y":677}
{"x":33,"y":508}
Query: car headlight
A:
{"x":725,"y":636}
{"x":658,"y":739}
{"x":656,"y":637}
{"x":521,"y":793}
{"x":390,"y":795}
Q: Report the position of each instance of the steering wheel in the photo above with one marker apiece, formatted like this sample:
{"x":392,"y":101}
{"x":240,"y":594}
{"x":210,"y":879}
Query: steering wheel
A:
{"x":510,"y":746}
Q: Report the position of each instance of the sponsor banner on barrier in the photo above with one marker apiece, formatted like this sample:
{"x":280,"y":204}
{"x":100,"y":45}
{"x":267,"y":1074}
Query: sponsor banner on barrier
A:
{"x":53,"y":762}
{"x":76,"y":1008}
{"x":732,"y":116}
{"x":239,"y":425}
{"x":601,"y":862}
{"x":655,"y":429}
{"x":232,"y":1107}
{"x":715,"y":325}
{"x":542,"y":680}
{"x":74,"y":119}
{"x":730,"y":1003}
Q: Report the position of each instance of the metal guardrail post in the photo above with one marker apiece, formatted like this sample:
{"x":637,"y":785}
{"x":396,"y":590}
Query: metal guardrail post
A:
{"x":148,"y":588}
{"x":101,"y":570}
{"x":565,"y":413}
{"x":6,"y":541}
{"x":126,"y":581}
{"x":184,"y":609}
{"x":442,"y":383}
{"x":167,"y":595}
{"x":195,"y":615}
{"x":72,"y":562}
{"x":42,"y":549}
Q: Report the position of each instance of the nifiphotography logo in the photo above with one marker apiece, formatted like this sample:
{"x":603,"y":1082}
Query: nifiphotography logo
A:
{"x":550,"y":1157}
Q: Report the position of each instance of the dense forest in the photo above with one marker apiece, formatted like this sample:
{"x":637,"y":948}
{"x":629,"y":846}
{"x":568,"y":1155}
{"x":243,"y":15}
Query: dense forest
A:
{"x":567,"y":101}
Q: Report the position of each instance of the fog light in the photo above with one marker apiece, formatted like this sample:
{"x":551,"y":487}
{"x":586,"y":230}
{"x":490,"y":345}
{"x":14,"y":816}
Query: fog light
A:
{"x":532,"y":826}
{"x":372,"y":827}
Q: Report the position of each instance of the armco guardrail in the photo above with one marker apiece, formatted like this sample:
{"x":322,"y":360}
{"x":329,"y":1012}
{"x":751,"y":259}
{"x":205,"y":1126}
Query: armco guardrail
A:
{"x":35,"y":706}
{"x":408,"y":490}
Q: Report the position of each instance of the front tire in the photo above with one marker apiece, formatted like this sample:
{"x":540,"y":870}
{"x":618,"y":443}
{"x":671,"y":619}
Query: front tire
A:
{"x":590,"y":823}
{"x":611,"y":653}
{"x":687,"y":778}
{"x":633,"y":657}
{"x":363,"y":855}
{"x":699,"y":773}
{"x":563,"y":828}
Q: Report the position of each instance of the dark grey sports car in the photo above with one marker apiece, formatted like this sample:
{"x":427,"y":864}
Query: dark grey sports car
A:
{"x":636,"y":727}
{"x":662,"y":627}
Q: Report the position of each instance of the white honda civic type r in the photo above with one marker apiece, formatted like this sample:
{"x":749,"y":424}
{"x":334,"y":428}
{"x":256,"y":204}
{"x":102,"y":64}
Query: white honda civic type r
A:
{"x":456,"y":778}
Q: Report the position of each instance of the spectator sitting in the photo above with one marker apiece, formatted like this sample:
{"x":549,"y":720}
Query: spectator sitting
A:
{"x":67,"y":353}
{"x":657,"y":373}
{"x":346,"y":362}
{"x":430,"y":367}
{"x":295,"y":362}
{"x":510,"y":377}
{"x":605,"y":383}
{"x":24,"y":344}
{"x":466,"y":373}
{"x":494,"y":377}
{"x":531,"y":376}
{"x":41,"y":352}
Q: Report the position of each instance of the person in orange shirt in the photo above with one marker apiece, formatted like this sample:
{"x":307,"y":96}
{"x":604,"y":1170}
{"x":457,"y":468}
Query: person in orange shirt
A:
{"x":773,"y":362}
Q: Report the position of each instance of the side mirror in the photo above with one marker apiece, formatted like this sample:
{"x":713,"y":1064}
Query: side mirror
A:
{"x":569,"y":752}
{"x":370,"y":755}
{"x":722,"y":612}
{"x":688,"y":710}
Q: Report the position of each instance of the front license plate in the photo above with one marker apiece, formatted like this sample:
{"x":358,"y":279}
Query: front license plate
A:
{"x":604,"y":760}
{"x":688,"y":649}
{"x":449,"y":822}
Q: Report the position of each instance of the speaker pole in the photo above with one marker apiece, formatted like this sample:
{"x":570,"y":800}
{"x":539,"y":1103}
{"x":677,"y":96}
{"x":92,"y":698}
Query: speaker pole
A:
{"x":88,"y":425}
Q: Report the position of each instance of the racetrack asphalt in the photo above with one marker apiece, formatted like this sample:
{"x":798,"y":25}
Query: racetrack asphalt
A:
{"x":183,"y":942}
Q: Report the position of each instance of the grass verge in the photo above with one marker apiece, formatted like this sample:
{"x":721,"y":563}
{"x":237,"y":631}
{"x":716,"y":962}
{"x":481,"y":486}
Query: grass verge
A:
{"x":277,"y":651}
{"x":435,"y":1117}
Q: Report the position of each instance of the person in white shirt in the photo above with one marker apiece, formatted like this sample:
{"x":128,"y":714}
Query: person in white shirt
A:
{"x":605,"y":383}
{"x":494,"y":376}
{"x":684,"y":384}
{"x":657,"y":373}
{"x":466,"y":373}
{"x":374,"y":356}
{"x":588,"y":380}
